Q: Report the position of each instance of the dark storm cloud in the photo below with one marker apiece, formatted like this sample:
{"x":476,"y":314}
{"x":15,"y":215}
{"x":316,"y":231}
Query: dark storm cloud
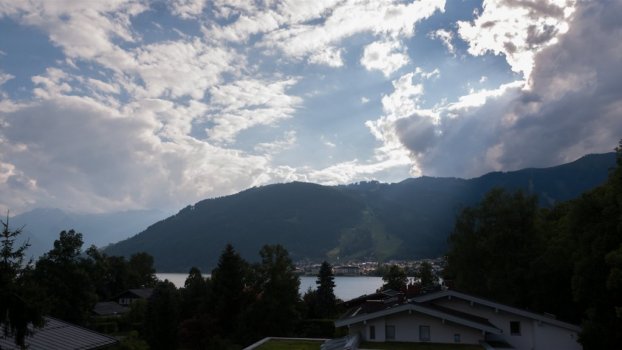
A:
{"x":418,"y":133}
{"x":573,"y":107}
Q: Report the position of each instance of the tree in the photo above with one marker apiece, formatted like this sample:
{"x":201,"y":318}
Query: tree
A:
{"x":162,"y":317}
{"x":229,"y":281}
{"x":276,"y":312}
{"x":394,"y":278}
{"x":65,"y":280}
{"x":425,"y":275}
{"x":493,"y":245}
{"x":141,"y":271}
{"x":18,"y":308}
{"x":326,"y":303}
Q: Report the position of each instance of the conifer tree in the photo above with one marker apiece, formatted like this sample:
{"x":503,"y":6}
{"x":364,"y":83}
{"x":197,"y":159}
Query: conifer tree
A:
{"x":18,"y":309}
{"x":229,"y":280}
{"x":326,"y":301}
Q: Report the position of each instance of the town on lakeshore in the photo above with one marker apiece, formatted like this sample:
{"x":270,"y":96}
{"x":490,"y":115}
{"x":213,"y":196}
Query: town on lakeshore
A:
{"x":371,"y":268}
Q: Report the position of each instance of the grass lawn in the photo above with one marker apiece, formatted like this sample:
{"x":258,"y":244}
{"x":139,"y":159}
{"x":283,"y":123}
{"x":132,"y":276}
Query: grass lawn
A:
{"x":418,"y":346}
{"x":290,"y":345}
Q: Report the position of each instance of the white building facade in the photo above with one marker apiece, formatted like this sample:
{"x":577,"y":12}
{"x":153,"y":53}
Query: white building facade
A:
{"x":454,"y":317}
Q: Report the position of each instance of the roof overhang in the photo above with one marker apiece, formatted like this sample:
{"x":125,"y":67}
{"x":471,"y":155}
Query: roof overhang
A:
{"x":420,"y":309}
{"x":497,"y":306}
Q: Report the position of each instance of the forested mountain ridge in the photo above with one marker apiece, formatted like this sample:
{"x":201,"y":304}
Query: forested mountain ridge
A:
{"x":410,"y":219}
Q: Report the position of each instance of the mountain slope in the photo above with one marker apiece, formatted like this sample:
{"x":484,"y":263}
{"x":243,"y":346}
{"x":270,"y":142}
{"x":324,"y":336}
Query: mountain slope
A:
{"x":409,"y":219}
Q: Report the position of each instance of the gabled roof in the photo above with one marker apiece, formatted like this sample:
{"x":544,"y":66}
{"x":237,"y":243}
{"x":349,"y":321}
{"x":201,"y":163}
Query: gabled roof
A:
{"x":59,"y":335}
{"x":372,"y":310}
{"x":448,"y":294}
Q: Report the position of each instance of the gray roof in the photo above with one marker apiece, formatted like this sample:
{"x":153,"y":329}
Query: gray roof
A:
{"x":497,"y":306}
{"x":59,"y":335}
{"x":364,"y":313}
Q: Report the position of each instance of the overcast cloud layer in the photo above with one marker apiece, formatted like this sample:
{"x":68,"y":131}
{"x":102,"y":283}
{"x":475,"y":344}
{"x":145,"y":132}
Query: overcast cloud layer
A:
{"x":124,"y":104}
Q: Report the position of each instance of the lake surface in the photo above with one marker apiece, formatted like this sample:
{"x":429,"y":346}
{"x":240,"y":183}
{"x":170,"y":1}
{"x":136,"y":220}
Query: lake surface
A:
{"x":346,"y":287}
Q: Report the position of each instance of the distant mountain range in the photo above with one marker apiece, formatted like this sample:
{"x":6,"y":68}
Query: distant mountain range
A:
{"x":368,"y":220}
{"x":42,"y":226}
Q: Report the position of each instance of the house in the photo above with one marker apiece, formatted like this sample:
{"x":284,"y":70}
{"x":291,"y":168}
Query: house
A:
{"x":60,"y":335}
{"x":449,"y":316}
{"x":127,"y":297}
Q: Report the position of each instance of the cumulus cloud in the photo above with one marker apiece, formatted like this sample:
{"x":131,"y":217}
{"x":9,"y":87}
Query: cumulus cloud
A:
{"x":329,"y":56}
{"x":517,"y":29}
{"x":385,"y":56}
{"x":86,"y":155}
{"x":179,"y":68}
{"x":188,"y":8}
{"x":84,"y":30}
{"x":571,"y":106}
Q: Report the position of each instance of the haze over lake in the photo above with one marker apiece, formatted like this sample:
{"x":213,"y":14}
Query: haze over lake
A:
{"x":346,"y":287}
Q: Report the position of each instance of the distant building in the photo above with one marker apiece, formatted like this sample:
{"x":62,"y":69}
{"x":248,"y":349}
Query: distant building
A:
{"x":449,"y":316}
{"x":127,"y":297}
{"x":347,"y":270}
{"x":60,"y":335}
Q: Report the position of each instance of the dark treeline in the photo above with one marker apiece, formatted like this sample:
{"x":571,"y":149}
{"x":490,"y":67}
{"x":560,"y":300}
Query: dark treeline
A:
{"x":240,"y":304}
{"x":566,"y":260}
{"x":64,"y":283}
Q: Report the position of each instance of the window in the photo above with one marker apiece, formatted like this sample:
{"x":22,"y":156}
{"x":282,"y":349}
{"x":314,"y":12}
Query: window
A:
{"x":390,"y":332}
{"x":457,"y":338}
{"x":424,"y":333}
{"x":372,"y":332}
{"x":515,"y":327}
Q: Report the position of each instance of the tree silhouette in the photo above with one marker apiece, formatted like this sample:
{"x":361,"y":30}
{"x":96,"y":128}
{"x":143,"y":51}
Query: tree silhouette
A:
{"x":394,"y":278}
{"x":326,"y":301}
{"x":17,"y":307}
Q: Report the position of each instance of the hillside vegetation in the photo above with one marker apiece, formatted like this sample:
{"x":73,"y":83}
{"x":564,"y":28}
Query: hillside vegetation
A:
{"x":410,"y":219}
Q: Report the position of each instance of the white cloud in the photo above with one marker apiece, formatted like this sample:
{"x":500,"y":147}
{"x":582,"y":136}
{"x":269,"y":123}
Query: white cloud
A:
{"x":570,"y":108}
{"x":330,"y":56}
{"x":327,"y":142}
{"x":4,"y":77}
{"x":288,"y":141}
{"x":247,"y":103}
{"x":83,"y":29}
{"x":96,"y":158}
{"x":517,"y":29}
{"x":389,"y":19}
{"x":385,"y":56}
{"x":435,"y":73}
{"x":179,"y":68}
{"x":188,"y":8}
{"x":403,"y":101}
{"x":445,"y":36}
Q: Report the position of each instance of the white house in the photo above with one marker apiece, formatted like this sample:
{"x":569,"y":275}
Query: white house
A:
{"x":453,"y":317}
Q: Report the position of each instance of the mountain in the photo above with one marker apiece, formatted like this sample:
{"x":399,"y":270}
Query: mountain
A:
{"x":42,"y":226}
{"x":409,"y":219}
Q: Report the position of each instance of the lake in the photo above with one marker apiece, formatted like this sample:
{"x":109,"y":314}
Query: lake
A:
{"x":346,"y":287}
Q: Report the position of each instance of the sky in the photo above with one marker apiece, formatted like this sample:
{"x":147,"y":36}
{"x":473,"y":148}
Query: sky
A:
{"x":129,"y":104}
